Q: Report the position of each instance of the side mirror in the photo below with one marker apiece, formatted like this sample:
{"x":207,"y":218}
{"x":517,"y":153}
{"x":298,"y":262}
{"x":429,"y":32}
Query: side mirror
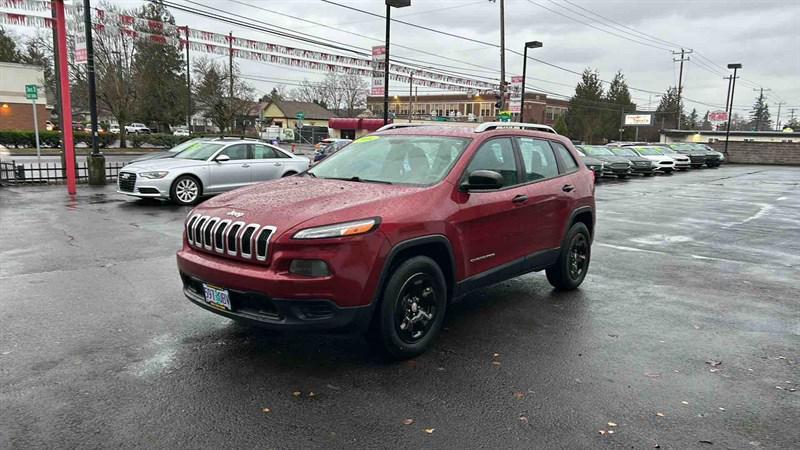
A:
{"x":222,"y":158}
{"x":483,"y":180}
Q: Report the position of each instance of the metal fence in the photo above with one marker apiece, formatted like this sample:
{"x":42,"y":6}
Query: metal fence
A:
{"x":50,"y":172}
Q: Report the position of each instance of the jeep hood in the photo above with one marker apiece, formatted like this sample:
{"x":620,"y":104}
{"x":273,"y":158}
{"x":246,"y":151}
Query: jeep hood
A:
{"x":288,"y":202}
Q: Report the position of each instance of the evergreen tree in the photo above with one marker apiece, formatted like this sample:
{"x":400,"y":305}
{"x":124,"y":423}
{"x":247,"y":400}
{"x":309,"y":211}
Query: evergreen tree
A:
{"x":159,"y":77}
{"x":561,"y":126}
{"x":8,"y":49}
{"x":759,"y":116}
{"x":667,"y":109}
{"x":584,"y":117}
{"x":618,"y":99}
{"x":706,"y":124}
{"x":690,"y":122}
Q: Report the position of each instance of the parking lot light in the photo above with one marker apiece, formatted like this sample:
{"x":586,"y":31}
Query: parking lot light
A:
{"x":531,"y":44}
{"x":735,"y":67}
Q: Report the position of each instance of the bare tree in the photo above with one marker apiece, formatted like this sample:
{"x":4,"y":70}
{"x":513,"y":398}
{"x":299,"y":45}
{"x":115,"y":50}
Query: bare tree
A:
{"x":337,"y":92}
{"x":212,"y":94}
{"x":354,"y":90}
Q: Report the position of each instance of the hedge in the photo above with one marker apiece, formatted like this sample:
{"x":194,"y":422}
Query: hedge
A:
{"x":23,"y":139}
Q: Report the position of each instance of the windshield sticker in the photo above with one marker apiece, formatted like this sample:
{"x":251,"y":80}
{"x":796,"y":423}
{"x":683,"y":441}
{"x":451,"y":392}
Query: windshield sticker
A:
{"x":366,"y":139}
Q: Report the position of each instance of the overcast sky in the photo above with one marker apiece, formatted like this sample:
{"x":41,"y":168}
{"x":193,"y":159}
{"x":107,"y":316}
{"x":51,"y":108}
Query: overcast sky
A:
{"x":763,"y":35}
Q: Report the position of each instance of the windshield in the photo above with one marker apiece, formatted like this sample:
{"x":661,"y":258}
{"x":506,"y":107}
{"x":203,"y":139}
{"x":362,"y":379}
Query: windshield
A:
{"x":648,"y":151}
{"x":623,"y":152}
{"x":394,"y":159}
{"x":199,"y":151}
{"x":681,"y":147}
{"x":667,"y":151}
{"x":596,"y":150}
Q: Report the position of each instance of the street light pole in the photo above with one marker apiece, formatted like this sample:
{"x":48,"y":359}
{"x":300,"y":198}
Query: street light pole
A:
{"x":502,"y":56}
{"x":96,"y":161}
{"x":735,"y":67}
{"x":389,"y":5}
{"x":531,"y":44}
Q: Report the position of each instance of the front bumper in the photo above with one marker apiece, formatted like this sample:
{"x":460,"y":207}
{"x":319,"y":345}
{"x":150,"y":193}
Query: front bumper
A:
{"x":276,"y":313}
{"x":145,"y":187}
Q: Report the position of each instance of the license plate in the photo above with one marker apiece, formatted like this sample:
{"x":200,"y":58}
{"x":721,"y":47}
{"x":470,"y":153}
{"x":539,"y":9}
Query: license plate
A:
{"x":217,"y":297}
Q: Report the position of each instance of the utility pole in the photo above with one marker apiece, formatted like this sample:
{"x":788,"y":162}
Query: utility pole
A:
{"x":761,"y":102}
{"x":410,"y":91}
{"x":502,"y":55}
{"x":778,"y":118}
{"x":680,"y":80}
{"x":188,"y":86}
{"x":791,"y":114}
{"x":230,"y":76}
{"x":728,"y":97}
{"x":386,"y":66}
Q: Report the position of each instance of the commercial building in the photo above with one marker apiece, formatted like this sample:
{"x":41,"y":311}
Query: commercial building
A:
{"x":16,"y":112}
{"x":467,"y":107}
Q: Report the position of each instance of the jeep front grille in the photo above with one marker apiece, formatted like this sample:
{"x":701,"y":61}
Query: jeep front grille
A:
{"x":228,"y":238}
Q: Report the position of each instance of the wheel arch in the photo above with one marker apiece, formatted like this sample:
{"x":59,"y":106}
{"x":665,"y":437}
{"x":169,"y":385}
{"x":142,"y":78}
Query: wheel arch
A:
{"x":436,"y":247}
{"x":585,"y":215}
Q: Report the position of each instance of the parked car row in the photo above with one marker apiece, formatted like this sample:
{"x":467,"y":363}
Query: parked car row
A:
{"x":622,"y":159}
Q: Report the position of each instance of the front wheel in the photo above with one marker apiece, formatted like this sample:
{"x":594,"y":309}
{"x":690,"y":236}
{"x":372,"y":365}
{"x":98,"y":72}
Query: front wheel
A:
{"x":412,"y":309}
{"x":185,"y":191}
{"x":570,"y":269}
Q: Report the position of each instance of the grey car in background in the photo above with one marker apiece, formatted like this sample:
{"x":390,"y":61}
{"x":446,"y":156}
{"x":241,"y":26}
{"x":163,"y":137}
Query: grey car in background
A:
{"x":208,"y":167}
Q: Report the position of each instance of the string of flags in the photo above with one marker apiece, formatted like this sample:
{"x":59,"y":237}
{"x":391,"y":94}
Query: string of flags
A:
{"x":137,"y":28}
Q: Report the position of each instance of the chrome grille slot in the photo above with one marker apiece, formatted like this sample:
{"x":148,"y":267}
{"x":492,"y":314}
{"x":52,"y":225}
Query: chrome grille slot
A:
{"x":198,"y":231}
{"x":231,"y":238}
{"x":246,"y":241}
{"x":219,"y":235}
{"x":208,"y":233}
{"x":190,"y":229}
{"x":262,"y":242}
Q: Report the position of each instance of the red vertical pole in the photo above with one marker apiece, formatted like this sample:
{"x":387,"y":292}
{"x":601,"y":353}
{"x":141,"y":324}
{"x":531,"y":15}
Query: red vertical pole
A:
{"x":66,"y":104}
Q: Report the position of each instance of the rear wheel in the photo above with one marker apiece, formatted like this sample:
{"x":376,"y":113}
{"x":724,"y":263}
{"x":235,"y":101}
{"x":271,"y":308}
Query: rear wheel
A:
{"x":412,"y":309}
{"x":570,"y":269}
{"x":186,"y":190}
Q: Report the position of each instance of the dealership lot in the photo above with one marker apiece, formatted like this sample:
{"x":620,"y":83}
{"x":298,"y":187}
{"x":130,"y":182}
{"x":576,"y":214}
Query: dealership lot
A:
{"x":685,"y":331}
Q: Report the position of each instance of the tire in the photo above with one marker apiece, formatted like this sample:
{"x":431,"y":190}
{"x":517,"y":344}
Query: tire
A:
{"x":414,"y":281}
{"x":181,"y":190}
{"x":568,"y":273}
{"x":622,"y":176}
{"x":649,"y":174}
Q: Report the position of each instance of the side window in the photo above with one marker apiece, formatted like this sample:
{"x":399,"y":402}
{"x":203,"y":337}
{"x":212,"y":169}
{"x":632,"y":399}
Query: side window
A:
{"x":538,"y":159}
{"x":237,"y":151}
{"x":263,"y":152}
{"x":566,"y":157}
{"x":496,"y":155}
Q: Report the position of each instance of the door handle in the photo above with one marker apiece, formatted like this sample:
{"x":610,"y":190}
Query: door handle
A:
{"x":568,"y":188}
{"x":520,"y":199}
{"x":245,"y":165}
{"x":277,"y":164}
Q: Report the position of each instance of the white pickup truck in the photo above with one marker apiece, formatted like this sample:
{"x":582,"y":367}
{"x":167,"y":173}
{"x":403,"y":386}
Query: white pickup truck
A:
{"x":136,"y":128}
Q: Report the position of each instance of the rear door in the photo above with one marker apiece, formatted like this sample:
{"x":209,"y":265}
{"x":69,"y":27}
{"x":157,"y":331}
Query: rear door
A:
{"x":546,"y":189}
{"x":268,"y":163}
{"x":234,"y":173}
{"x":488,"y":222}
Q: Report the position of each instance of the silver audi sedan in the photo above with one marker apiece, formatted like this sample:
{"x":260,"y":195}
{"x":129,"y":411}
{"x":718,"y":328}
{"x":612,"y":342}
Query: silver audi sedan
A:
{"x":208,"y":167}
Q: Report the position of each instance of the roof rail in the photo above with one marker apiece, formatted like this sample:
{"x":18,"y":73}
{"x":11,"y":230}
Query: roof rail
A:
{"x":392,"y":126}
{"x":488,"y":126}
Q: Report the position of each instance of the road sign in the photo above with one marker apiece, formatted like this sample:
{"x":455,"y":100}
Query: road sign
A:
{"x":515,"y":103}
{"x":31,"y":92}
{"x":300,"y":116}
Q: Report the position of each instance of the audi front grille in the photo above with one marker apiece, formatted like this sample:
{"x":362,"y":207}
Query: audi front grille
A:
{"x":225,"y":237}
{"x":126,"y":181}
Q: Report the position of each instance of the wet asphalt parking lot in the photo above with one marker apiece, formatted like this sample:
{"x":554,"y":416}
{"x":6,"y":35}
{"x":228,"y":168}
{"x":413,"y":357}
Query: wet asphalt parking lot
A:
{"x":685,"y":334}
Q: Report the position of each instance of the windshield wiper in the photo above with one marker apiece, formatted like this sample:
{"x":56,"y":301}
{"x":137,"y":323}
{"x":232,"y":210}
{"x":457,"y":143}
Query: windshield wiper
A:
{"x":360,"y":180}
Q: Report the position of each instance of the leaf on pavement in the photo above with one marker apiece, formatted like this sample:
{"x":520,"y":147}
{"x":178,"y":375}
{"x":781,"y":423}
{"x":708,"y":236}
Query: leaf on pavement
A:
{"x":496,"y":363}
{"x":713,"y":362}
{"x":660,"y":414}
{"x":519,"y":395}
{"x":612,"y":424}
{"x":408,"y":421}
{"x":296,"y":393}
{"x":685,"y":402}
{"x":430,"y":430}
{"x":602,"y":432}
{"x":266,"y":410}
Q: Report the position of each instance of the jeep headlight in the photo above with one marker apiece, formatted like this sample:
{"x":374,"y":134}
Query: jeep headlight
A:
{"x":153,"y":175}
{"x":339,"y":230}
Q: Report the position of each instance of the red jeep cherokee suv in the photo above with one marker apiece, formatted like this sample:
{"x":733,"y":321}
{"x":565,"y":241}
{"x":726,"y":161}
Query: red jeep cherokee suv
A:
{"x":385,"y":233}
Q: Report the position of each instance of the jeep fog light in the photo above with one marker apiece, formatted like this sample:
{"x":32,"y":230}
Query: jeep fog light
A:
{"x":309,"y":268}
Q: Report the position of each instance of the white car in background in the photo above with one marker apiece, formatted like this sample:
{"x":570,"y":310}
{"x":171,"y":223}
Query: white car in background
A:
{"x":207,"y":167}
{"x":664,"y":163}
{"x":136,"y":128}
{"x":181,"y":131}
{"x":682,"y":161}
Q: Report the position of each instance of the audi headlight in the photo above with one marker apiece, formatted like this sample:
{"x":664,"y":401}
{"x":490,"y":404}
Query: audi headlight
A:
{"x":339,"y":230}
{"x":153,"y":175}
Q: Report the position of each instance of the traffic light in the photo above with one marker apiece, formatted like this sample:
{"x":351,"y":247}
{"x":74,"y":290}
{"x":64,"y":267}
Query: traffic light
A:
{"x":498,"y":103}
